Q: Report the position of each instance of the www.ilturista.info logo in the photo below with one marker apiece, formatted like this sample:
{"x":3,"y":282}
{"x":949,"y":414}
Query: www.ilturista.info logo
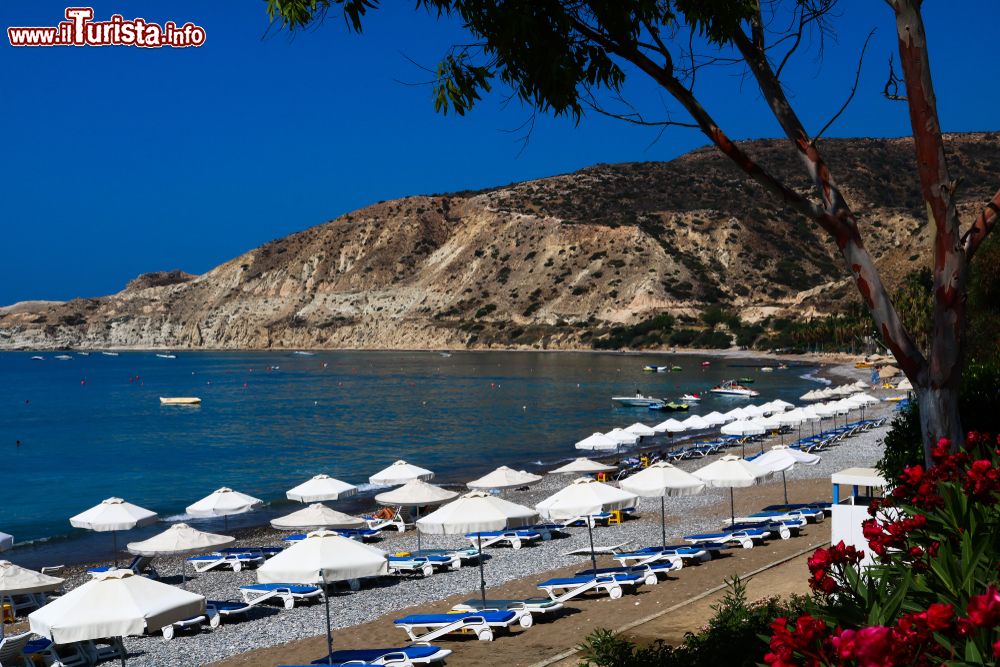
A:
{"x":79,"y":29}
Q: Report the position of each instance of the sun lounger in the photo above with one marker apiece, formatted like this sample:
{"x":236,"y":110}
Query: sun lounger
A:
{"x":471,"y":553}
{"x":514,"y":538}
{"x":141,"y":565}
{"x":266,"y":552}
{"x":824,"y":506}
{"x":226,"y":609}
{"x":533,"y":605}
{"x":105,"y":649}
{"x":359,"y":534}
{"x":213,"y":621}
{"x":425,"y":565}
{"x":783,"y":529}
{"x":402,"y":656}
{"x":289,"y":594}
{"x":612,"y":584}
{"x":649,"y":572}
{"x":675,"y":555}
{"x":585,"y":551}
{"x":807,"y":513}
{"x":236,"y":562}
{"x":702,"y":551}
{"x":547,"y":530}
{"x":744,"y":538}
{"x":480,"y":623}
{"x":375,"y":522}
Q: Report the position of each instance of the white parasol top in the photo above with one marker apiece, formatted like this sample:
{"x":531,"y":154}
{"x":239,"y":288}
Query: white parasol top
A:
{"x":584,"y":497}
{"x":224,"y":502}
{"x":416,"y":493}
{"x":476,"y":512}
{"x":314,"y":517}
{"x":400,"y":472}
{"x":16,"y":580}
{"x":323,"y":556}
{"x":732,"y":471}
{"x":113,"y":514}
{"x":321,"y":488}
{"x":580,"y":466}
{"x":504,"y":478}
{"x":179,"y":540}
{"x":663,"y":479}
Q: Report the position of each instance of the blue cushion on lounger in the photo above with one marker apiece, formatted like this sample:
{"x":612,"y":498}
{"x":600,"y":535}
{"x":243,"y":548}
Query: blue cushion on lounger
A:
{"x":437,"y":619}
{"x":370,"y":654}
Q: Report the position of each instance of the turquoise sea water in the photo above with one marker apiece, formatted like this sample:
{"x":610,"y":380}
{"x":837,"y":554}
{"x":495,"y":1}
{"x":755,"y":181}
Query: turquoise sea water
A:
{"x":92,"y":427}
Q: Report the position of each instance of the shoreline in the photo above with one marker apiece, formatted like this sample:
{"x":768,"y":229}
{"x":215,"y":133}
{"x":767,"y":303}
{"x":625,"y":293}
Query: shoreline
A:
{"x":64,"y":546}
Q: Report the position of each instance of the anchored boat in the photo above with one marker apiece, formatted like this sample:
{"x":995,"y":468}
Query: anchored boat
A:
{"x":732,"y":388}
{"x":180,"y":400}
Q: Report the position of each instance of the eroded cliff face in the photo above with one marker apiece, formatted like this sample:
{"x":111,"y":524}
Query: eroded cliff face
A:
{"x":545,"y":263}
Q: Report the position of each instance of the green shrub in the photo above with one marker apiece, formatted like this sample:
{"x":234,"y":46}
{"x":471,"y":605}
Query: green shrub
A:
{"x":731,"y":638}
{"x":683,"y":337}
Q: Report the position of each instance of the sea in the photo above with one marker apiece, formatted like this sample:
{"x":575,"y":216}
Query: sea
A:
{"x":77,"y":430}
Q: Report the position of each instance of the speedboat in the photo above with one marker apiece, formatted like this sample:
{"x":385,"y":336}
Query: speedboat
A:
{"x":670,"y":406}
{"x":747,"y":380}
{"x":63,"y":357}
{"x":637,"y":401}
{"x":690,"y":398}
{"x":110,"y":354}
{"x":84,"y":354}
{"x":653,"y":368}
{"x":180,"y":400}
{"x":167,"y":356}
{"x":766,"y":369}
{"x":732,"y":388}
{"x":675,"y":368}
{"x":38,"y":358}
{"x":706,"y":363}
{"x":303,"y":353}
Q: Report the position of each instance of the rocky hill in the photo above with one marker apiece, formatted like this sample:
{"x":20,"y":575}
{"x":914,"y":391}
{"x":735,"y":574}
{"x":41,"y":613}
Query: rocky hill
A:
{"x":552,"y":263}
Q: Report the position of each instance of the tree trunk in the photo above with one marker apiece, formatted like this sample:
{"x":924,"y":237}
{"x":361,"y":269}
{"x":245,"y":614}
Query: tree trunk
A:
{"x":939,"y":417}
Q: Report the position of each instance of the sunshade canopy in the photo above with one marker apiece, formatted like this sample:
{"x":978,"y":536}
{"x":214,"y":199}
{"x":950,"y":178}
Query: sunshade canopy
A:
{"x":742,"y":427}
{"x":179,"y":540}
{"x":583,"y":497}
{"x":641,"y":430}
{"x":113,"y":514}
{"x":715,"y":418}
{"x":670,"y":426}
{"x":476,"y":512}
{"x":416,"y":493}
{"x":320,"y":488}
{"x":694,"y":423}
{"x":117,"y":603}
{"x":598,"y":442}
{"x":888,"y":372}
{"x":314,"y":517}
{"x":732,"y":472}
{"x":622,"y":436}
{"x":663,"y":479}
{"x":780,"y":458}
{"x":224,"y":502}
{"x":400,"y":472}
{"x":323,"y":556}
{"x":16,"y":580}
{"x":582,"y":466}
{"x":504,"y":478}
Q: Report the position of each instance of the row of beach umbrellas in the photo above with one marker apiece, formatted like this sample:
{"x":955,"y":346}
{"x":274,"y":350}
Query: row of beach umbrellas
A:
{"x":834,"y":392}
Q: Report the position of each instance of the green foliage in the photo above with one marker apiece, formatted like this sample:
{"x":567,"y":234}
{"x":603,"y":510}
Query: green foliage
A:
{"x":977,"y":404}
{"x":731,"y":638}
{"x":651,"y":332}
{"x":683,"y":337}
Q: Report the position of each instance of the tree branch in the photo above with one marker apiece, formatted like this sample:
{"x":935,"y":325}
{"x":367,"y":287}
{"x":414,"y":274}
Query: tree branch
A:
{"x":854,"y":89}
{"x":981,"y":226}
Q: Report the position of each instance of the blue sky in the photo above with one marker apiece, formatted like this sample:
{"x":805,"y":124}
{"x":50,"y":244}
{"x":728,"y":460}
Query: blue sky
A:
{"x":118,"y":160}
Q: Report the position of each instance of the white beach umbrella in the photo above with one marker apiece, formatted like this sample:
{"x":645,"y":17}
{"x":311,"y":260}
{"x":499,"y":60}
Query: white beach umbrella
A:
{"x":583,"y":498}
{"x":781,"y":405}
{"x":598,"y":442}
{"x":732,"y":472}
{"x":904,"y":384}
{"x":6,"y":541}
{"x":180,"y":540}
{"x":582,"y":466}
{"x":113,"y":514}
{"x":224,"y":502}
{"x":670,"y":426}
{"x":659,"y":480}
{"x":504,"y":478}
{"x":715,"y":418}
{"x":316,"y":517}
{"x":780,"y":458}
{"x":641,"y":430}
{"x":117,"y":603}
{"x":742,"y":427}
{"x":736,"y":414}
{"x":752,"y":411}
{"x":861,"y":384}
{"x":695,"y":423}
{"x":321,"y":488}
{"x":398,"y":473}
{"x":324,"y":557}
{"x":809,"y":395}
{"x":416,"y":493}
{"x":17,"y":580}
{"x":623,"y":437}
{"x":476,"y":512}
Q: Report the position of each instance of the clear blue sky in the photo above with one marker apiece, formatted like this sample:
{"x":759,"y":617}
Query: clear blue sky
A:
{"x":119,"y":160}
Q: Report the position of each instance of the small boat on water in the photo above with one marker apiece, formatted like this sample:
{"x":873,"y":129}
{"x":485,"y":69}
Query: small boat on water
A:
{"x":669,"y":406}
{"x":84,"y":354}
{"x":303,"y":353}
{"x":706,"y":363}
{"x":110,"y":354}
{"x":38,"y":358}
{"x":180,"y":400}
{"x":63,"y":357}
{"x":782,"y":367}
{"x":445,"y":354}
{"x":676,"y":368}
{"x":167,"y":356}
{"x":747,"y":380}
{"x":652,"y":368}
{"x":766,"y":369}
{"x":732,"y":388}
{"x":637,"y":401}
{"x":690,"y":398}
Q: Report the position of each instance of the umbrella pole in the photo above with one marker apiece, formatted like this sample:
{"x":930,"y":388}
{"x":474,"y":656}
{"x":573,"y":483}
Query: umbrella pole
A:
{"x":482,"y":577}
{"x":732,"y":508}
{"x":121,"y":641}
{"x":784,"y":483}
{"x":329,"y":628}
{"x":416,"y":527}
{"x":590,"y":533}
{"x":663,"y":521}
{"x":114,"y":546}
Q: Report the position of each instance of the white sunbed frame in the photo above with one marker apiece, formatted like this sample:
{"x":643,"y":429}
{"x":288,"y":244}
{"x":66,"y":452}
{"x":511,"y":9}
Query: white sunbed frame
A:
{"x":232,"y":560}
{"x":602,"y":582}
{"x":476,"y":624}
{"x":676,"y":560}
{"x":510,"y":537}
{"x":254,"y":597}
{"x":381,"y":524}
{"x":212,"y":619}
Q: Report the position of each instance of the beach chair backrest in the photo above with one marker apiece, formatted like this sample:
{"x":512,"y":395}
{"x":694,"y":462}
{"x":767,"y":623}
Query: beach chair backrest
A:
{"x":12,"y":647}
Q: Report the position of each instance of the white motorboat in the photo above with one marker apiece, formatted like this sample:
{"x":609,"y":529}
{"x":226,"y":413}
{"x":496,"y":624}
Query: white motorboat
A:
{"x":63,"y":357}
{"x":652,"y":368}
{"x":180,"y":400}
{"x":110,"y":354}
{"x":303,"y":353}
{"x":732,"y":388}
{"x":38,"y":358}
{"x":637,"y":401}
{"x":167,"y":356}
{"x":690,"y":398}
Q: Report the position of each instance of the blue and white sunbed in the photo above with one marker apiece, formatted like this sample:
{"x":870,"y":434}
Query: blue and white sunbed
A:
{"x":744,"y":538}
{"x":236,"y":562}
{"x":807,"y":513}
{"x":670,"y":554}
{"x":141,"y":565}
{"x":533,"y":605}
{"x":288,"y":594}
{"x":514,"y":538}
{"x":403,"y":655}
{"x":225,"y":609}
{"x":359,"y":534}
{"x":783,"y":529}
{"x":480,"y":623}
{"x":649,"y":572}
{"x":824,"y":506}
{"x":702,"y":551}
{"x":266,"y":552}
{"x":412,"y":563}
{"x":612,"y":584}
